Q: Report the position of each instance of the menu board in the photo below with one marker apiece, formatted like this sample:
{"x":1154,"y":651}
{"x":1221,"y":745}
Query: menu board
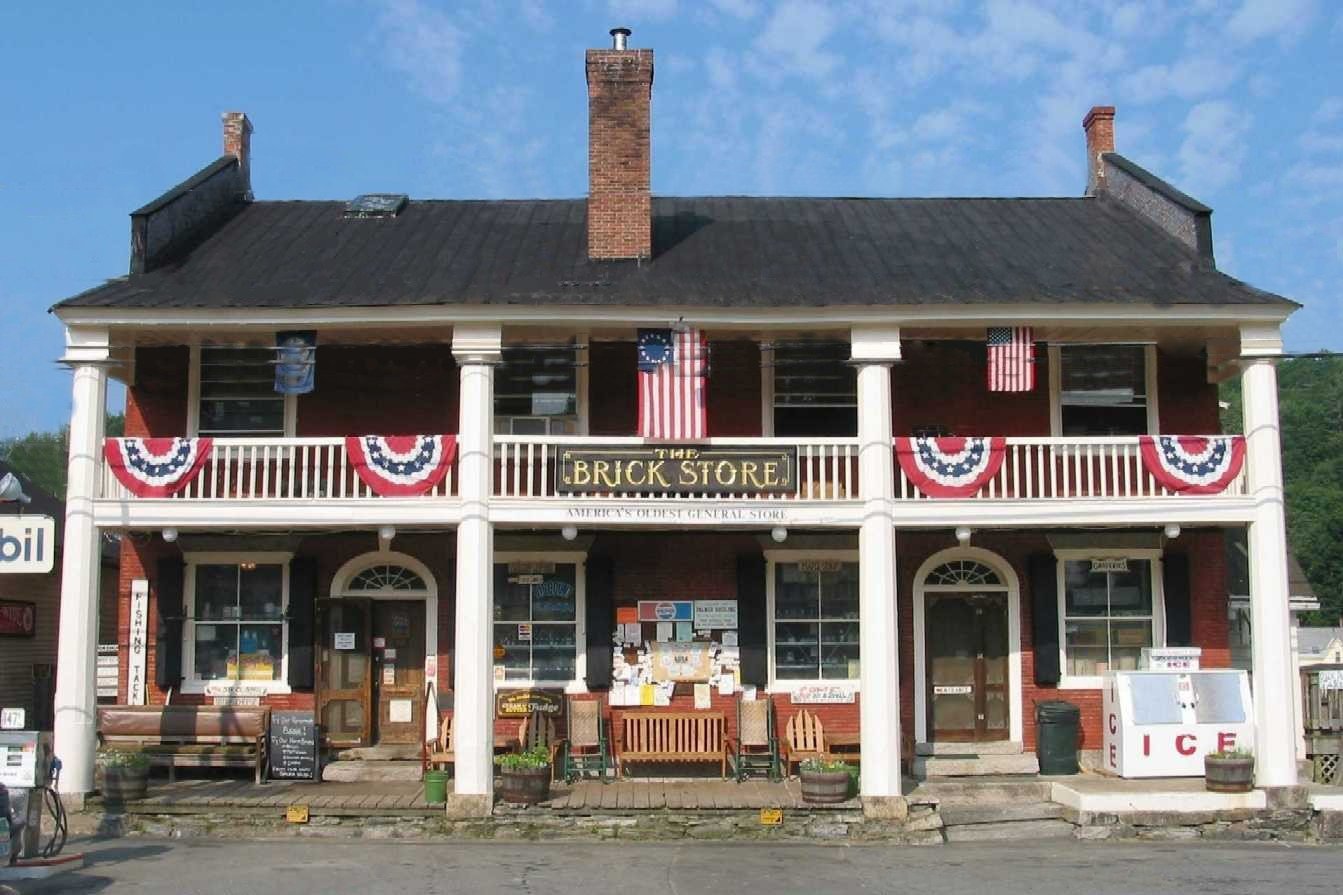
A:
{"x":293,"y":746}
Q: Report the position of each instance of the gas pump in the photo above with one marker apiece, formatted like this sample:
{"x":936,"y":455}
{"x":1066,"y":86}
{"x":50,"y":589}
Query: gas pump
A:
{"x":28,"y":771}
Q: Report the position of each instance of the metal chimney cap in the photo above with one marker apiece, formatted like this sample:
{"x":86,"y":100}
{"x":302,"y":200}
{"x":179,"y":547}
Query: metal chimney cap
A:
{"x":620,"y":38}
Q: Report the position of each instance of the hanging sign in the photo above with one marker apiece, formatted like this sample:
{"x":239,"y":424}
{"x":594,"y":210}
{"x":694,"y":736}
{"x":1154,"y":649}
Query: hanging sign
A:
{"x":520,"y":703}
{"x":666,"y":611}
{"x":677,"y":470}
{"x":18,"y":618}
{"x":139,"y":643}
{"x":27,"y":544}
{"x":1110,"y":564}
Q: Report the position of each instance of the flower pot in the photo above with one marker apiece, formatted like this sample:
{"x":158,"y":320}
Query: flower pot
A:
{"x":1228,"y":774}
{"x":436,"y":787}
{"x":124,"y":783}
{"x":524,"y":786}
{"x":825,"y":787}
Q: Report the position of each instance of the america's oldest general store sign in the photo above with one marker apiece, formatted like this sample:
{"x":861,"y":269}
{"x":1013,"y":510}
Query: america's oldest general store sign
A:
{"x":677,"y":470}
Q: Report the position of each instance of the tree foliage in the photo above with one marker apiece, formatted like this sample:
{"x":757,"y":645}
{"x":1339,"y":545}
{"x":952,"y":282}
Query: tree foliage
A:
{"x":42,"y":456}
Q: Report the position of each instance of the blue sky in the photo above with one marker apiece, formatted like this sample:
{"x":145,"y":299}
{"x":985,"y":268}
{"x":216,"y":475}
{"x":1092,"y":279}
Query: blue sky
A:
{"x":1238,"y":102}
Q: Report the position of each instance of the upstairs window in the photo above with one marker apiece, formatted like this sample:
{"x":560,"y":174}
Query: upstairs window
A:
{"x":1103,"y":389}
{"x":536,"y":390}
{"x":237,"y":392}
{"x":815,"y":389}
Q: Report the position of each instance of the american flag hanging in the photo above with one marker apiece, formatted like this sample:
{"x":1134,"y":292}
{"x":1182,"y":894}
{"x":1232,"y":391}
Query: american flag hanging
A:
{"x":1011,"y":359}
{"x":673,"y":367}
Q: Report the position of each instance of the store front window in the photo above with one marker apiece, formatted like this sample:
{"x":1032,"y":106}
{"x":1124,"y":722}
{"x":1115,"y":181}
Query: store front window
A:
{"x":536,"y":615}
{"x":1109,"y":614}
{"x":816,"y":620}
{"x":236,"y":624}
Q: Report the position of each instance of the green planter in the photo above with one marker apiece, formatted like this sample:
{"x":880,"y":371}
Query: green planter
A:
{"x":436,"y":787}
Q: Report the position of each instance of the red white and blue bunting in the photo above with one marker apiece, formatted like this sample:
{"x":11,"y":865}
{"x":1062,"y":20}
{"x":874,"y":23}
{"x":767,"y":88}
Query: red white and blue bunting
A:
{"x":401,"y":465}
{"x":950,"y":467}
{"x":1193,"y":464}
{"x":156,"y":467}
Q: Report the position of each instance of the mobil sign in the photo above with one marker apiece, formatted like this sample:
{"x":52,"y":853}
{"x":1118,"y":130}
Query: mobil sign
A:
{"x":1162,"y":723}
{"x":27,"y":544}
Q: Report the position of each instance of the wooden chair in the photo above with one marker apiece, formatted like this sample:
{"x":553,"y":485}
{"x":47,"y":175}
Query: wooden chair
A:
{"x":438,"y":753}
{"x":756,"y":745}
{"x":537,"y":730}
{"x":806,"y":739}
{"x":585,"y":746}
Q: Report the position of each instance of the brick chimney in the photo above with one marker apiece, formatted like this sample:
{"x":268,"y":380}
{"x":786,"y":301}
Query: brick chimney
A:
{"x":1100,"y":130}
{"x":620,"y":205}
{"x":238,"y":143}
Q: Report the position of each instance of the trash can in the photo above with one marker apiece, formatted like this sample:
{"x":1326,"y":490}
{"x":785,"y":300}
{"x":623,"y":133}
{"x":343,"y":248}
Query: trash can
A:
{"x":436,"y":787}
{"x":1056,"y":724}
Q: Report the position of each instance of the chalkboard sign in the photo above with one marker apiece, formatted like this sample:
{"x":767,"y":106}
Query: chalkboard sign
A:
{"x":293,"y":746}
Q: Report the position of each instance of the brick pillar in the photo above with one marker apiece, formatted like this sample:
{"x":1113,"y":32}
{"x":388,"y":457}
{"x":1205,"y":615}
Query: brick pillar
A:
{"x":1100,"y":130}
{"x":238,"y":143}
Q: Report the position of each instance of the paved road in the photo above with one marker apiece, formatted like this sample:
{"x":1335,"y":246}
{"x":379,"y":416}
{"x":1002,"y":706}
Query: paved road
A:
{"x":153,"y":867}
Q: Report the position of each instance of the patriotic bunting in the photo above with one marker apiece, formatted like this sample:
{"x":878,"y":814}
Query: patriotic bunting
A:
{"x":1193,"y":464}
{"x":950,"y":467}
{"x":156,"y":467}
{"x":401,"y":465}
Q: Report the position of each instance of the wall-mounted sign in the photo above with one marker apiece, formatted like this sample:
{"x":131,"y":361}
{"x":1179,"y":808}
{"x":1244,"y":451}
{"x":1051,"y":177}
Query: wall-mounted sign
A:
{"x":682,"y":661}
{"x":666,"y":611}
{"x":519,"y":703}
{"x":138,"y":653}
{"x":107,"y":673}
{"x":821,"y":694}
{"x":231,"y":690}
{"x":18,"y":618}
{"x":714,"y":615}
{"x":344,"y":640}
{"x":27,"y":544}
{"x":1109,"y":564}
{"x":677,"y":470}
{"x":656,"y":514}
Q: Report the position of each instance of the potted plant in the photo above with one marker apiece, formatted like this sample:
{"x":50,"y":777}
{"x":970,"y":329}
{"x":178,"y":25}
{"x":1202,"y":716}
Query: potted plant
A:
{"x":825,"y":781}
{"x":1229,"y":770}
{"x":125,"y":774}
{"x":525,"y":776}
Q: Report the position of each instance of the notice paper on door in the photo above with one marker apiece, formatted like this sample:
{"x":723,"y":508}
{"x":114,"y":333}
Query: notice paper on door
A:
{"x":400,"y":711}
{"x":389,"y":675}
{"x":344,"y":640}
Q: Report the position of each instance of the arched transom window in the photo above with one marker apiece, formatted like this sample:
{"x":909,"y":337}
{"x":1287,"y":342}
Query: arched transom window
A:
{"x":387,"y":577}
{"x":964,"y":573}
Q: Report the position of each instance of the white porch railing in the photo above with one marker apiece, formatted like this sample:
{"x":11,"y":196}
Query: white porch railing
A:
{"x":275,"y":469}
{"x":1069,"y":469}
{"x":827,"y":468}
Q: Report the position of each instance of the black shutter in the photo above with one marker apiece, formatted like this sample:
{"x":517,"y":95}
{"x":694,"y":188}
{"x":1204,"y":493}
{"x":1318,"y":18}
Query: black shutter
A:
{"x":600,"y":618}
{"x":1045,"y":618}
{"x":1175,"y":575}
{"x":302,"y":597}
{"x":752,"y":623}
{"x":168,"y":635}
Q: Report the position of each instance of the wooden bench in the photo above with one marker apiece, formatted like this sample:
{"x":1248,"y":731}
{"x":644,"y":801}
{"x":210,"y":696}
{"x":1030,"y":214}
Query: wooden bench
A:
{"x":190,"y":736}
{"x":672,"y":737}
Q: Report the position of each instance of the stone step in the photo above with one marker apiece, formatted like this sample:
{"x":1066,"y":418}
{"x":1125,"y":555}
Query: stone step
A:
{"x":998,"y":747}
{"x":372,"y":771}
{"x":949,"y":791}
{"x":926,"y":766}
{"x":1009,"y":830}
{"x":971,"y":814}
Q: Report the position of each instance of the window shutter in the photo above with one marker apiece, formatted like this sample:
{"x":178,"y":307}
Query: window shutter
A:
{"x":302,"y":600}
{"x":752,"y":620}
{"x":599,"y":616}
{"x":1175,"y":589}
{"x":168,"y":635}
{"x":1045,"y":618}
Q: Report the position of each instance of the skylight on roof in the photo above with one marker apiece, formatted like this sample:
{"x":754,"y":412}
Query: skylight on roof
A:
{"x":376,"y":205}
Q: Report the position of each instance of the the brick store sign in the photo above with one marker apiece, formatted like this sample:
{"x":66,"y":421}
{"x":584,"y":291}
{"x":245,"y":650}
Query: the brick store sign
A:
{"x":677,"y":470}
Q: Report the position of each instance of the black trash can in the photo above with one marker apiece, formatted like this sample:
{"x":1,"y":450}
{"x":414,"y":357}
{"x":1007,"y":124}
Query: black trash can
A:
{"x":1056,"y":735}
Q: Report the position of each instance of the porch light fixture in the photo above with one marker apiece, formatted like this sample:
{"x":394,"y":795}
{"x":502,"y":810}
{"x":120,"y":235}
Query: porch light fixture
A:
{"x":568,"y":532}
{"x":1172,"y":531}
{"x":386,"y":533}
{"x":170,"y":535}
{"x":963,"y":533}
{"x":779,"y":534}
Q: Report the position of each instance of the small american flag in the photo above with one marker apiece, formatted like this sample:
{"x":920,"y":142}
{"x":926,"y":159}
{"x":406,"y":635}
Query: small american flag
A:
{"x":1011,"y":359}
{"x":673,"y":367}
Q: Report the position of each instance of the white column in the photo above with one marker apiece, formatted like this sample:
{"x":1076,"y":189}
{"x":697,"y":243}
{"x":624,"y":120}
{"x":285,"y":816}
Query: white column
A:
{"x":1275,"y":719}
{"x":81,"y":563}
{"x":873,"y":351}
{"x":476,"y":348}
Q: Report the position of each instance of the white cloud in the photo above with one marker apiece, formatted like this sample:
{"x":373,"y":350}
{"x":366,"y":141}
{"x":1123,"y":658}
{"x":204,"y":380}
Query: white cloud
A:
{"x":1214,"y":145}
{"x":642,"y":10}
{"x":1186,"y":79}
{"x":721,"y":67}
{"x":742,"y":9}
{"x":1257,"y":19}
{"x":794,"y":37}
{"x":426,"y":45}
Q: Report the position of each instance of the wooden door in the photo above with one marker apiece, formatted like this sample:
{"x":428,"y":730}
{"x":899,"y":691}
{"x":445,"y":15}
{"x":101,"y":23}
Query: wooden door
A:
{"x":398,"y":666}
{"x":968,"y":693}
{"x":344,"y":678}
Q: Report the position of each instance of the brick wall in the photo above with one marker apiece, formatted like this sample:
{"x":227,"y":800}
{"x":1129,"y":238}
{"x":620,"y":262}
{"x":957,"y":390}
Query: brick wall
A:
{"x":945,"y":384}
{"x":156,"y":405}
{"x":1186,"y":401}
{"x":382,"y":390}
{"x":620,"y":208}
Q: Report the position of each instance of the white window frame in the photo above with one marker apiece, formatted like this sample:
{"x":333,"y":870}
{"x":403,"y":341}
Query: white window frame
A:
{"x":785,"y":556}
{"x":1150,"y":383}
{"x":194,"y":401}
{"x":1061,"y":555}
{"x":582,"y":408}
{"x":768,"y":390}
{"x":579,"y":560}
{"x":190,"y":682}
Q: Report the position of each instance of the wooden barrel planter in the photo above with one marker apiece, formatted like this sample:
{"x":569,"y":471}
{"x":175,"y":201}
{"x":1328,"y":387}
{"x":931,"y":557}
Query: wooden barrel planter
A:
{"x":825,"y":787}
{"x":1228,"y":774}
{"x":122,"y":784}
{"x":524,"y":786}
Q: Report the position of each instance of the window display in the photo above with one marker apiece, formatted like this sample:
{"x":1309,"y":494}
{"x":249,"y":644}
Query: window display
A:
{"x":816,"y":621}
{"x":535,"y":623}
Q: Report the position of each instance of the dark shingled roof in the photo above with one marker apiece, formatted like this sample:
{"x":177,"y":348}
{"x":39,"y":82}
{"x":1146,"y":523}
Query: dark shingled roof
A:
{"x":708,"y":252}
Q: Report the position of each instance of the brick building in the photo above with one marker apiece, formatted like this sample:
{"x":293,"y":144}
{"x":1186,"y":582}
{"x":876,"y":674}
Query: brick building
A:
{"x":854,"y":584}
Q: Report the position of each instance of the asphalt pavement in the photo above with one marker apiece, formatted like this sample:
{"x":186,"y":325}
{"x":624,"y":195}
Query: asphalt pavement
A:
{"x":309,"y":867}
